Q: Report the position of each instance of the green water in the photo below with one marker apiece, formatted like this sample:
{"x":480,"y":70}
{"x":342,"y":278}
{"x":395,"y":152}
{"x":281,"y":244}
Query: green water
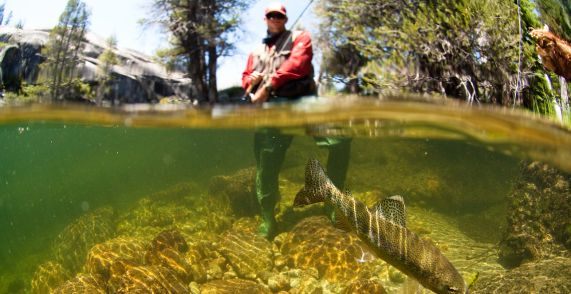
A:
{"x":454,"y":166}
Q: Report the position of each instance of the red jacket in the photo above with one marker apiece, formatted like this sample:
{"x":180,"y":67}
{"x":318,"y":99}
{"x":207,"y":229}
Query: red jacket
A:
{"x":297,"y":66}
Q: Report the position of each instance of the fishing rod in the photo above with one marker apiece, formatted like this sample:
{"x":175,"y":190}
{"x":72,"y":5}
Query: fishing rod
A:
{"x":248,"y":94}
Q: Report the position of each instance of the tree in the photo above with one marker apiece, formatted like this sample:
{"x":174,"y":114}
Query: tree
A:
{"x":107,"y":60}
{"x":4,"y":22}
{"x":341,"y":60}
{"x":201,"y":31}
{"x":63,"y":48}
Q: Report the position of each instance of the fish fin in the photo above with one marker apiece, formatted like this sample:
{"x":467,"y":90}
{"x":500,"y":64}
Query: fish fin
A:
{"x":393,"y":210}
{"x":315,"y":182}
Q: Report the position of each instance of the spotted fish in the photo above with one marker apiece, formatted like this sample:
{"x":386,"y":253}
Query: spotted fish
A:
{"x":384,"y":230}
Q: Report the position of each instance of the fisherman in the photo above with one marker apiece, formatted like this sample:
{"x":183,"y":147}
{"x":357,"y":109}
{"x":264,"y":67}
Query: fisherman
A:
{"x":280,"y":70}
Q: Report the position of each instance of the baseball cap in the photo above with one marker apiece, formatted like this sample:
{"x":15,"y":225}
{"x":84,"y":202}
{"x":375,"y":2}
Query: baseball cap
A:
{"x":276,"y":7}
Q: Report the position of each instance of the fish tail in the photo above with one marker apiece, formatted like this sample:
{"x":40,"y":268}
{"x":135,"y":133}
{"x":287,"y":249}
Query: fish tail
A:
{"x":316,"y":183}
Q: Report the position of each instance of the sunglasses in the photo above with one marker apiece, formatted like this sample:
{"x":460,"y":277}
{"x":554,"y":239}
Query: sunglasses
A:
{"x":277,"y":16}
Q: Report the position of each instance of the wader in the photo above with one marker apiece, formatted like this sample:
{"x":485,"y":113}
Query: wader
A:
{"x":270,"y":147}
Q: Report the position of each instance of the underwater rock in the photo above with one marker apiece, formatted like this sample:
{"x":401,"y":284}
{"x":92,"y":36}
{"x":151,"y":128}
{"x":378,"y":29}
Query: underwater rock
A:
{"x":48,"y":276}
{"x":365,"y":286}
{"x":149,"y":279}
{"x":173,"y":260}
{"x":233,"y":286}
{"x":238,"y":190}
{"x":153,"y":213}
{"x":178,"y":207}
{"x":168,"y":250}
{"x":544,"y":276}
{"x":280,"y":282}
{"x":197,"y":258}
{"x":102,"y":256}
{"x":337,"y":255}
{"x":296,"y":280}
{"x":538,"y":215}
{"x":73,"y":243}
{"x":81,"y":284}
{"x":248,"y":253}
{"x":169,"y":239}
{"x":307,"y":285}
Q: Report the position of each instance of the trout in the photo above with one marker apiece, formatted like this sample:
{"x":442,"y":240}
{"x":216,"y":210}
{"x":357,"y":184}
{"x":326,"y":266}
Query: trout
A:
{"x":384,"y":229}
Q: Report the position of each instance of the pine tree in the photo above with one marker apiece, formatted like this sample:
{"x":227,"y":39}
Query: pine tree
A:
{"x":63,"y":48}
{"x":107,"y":60}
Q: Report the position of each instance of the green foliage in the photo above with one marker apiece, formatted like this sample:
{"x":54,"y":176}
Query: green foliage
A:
{"x":62,"y":51}
{"x":470,"y":49}
{"x":557,"y":15}
{"x":172,"y":59}
{"x":107,"y":60}
{"x":29,"y":94}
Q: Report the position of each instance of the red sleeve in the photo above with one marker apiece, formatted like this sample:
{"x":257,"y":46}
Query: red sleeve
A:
{"x":298,"y":65}
{"x":247,"y":72}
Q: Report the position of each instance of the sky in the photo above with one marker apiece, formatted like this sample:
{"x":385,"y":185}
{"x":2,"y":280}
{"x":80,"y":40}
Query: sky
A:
{"x":120,"y":18}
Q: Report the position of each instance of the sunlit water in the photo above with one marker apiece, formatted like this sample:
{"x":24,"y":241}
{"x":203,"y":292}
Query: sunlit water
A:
{"x":454,"y":165}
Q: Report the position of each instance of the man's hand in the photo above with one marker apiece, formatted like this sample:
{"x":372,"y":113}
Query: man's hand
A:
{"x":255,"y":78}
{"x":261,"y":95}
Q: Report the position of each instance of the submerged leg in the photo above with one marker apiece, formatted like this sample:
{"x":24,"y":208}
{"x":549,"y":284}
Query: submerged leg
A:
{"x":337,"y":163}
{"x":270,"y":147}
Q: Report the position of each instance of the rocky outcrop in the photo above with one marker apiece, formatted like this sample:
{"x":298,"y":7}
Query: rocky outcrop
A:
{"x":12,"y":67}
{"x":136,"y":78}
{"x":544,"y":276}
{"x":538,"y":220}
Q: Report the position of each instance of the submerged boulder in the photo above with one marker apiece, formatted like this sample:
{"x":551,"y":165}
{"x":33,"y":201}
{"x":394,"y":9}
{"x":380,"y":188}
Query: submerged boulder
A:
{"x":238,"y":190}
{"x":73,"y":243}
{"x":102,"y":256}
{"x":233,"y":286}
{"x":149,"y":279}
{"x":249,"y":254}
{"x":168,"y":250}
{"x":544,"y":276}
{"x":81,"y":284}
{"x":539,"y":207}
{"x":337,"y":255}
{"x":365,"y":286}
{"x":48,"y":276}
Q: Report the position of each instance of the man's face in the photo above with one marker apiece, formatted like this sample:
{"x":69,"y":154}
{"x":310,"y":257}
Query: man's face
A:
{"x":276,"y":22}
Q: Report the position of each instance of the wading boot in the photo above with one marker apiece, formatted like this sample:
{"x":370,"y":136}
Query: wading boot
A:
{"x":268,"y":227}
